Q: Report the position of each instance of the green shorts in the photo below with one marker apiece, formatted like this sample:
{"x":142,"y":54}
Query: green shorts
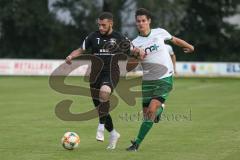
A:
{"x":156,"y":89}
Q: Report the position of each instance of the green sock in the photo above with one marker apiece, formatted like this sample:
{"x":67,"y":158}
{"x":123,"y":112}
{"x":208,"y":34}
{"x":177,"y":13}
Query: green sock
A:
{"x":159,"y":111}
{"x":144,"y":129}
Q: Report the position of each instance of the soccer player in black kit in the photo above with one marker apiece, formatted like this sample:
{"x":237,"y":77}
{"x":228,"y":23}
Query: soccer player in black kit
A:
{"x":104,"y":44}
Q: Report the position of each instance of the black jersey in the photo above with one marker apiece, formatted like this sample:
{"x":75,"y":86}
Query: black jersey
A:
{"x":105,"y":47}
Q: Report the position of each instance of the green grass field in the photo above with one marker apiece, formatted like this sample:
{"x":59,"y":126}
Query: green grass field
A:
{"x":201,"y":122}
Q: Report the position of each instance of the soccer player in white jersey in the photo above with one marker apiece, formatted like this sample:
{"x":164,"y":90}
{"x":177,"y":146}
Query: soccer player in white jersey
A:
{"x":157,"y":70}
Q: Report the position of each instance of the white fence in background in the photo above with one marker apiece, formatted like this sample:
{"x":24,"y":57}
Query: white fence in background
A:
{"x":215,"y":69}
{"x":30,"y":67}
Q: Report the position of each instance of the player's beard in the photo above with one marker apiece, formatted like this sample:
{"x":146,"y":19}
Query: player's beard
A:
{"x":108,"y":31}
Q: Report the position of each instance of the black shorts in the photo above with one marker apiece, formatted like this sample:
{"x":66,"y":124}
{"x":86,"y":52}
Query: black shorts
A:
{"x":104,"y":78}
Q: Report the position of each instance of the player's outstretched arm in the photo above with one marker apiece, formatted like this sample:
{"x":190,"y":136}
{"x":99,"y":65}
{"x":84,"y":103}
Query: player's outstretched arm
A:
{"x":187,"y":48}
{"x":73,"y":54}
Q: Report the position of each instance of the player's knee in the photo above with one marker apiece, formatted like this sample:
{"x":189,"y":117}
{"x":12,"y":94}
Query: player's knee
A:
{"x":155,"y":102}
{"x":104,"y":93}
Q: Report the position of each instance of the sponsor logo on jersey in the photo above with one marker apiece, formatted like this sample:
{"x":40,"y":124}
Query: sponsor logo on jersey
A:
{"x":151,"y":48}
{"x":112,"y":41}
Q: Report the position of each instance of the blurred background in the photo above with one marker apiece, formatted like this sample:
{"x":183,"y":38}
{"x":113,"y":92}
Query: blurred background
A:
{"x":51,"y":29}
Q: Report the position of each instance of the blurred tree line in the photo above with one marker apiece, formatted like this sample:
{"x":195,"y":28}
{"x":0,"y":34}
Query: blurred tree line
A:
{"x":32,"y":29}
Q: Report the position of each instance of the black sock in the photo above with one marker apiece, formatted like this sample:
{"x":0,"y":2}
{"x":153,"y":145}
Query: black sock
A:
{"x":102,"y":120}
{"x":103,"y":109}
{"x":108,"y":124}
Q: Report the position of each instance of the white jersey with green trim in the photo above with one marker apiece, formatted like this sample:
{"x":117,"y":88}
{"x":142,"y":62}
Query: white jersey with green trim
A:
{"x":157,"y":64}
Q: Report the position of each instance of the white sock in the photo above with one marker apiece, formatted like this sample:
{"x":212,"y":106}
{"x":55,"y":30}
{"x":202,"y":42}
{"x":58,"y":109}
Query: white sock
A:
{"x":113,"y":132}
{"x":101,"y":127}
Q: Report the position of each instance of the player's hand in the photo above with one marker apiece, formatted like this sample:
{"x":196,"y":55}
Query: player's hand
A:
{"x":68,"y":60}
{"x":140,"y":53}
{"x":175,"y":73}
{"x":189,"y":49}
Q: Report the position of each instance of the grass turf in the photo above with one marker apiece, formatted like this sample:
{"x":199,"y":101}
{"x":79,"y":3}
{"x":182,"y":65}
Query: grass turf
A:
{"x":201,"y":122}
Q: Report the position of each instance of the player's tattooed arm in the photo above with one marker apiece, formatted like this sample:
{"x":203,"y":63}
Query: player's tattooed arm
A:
{"x":187,"y":48}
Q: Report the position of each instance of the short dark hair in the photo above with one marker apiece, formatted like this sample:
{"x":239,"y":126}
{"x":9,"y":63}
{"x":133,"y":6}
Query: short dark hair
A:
{"x":142,"y":12}
{"x":106,"y":15}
